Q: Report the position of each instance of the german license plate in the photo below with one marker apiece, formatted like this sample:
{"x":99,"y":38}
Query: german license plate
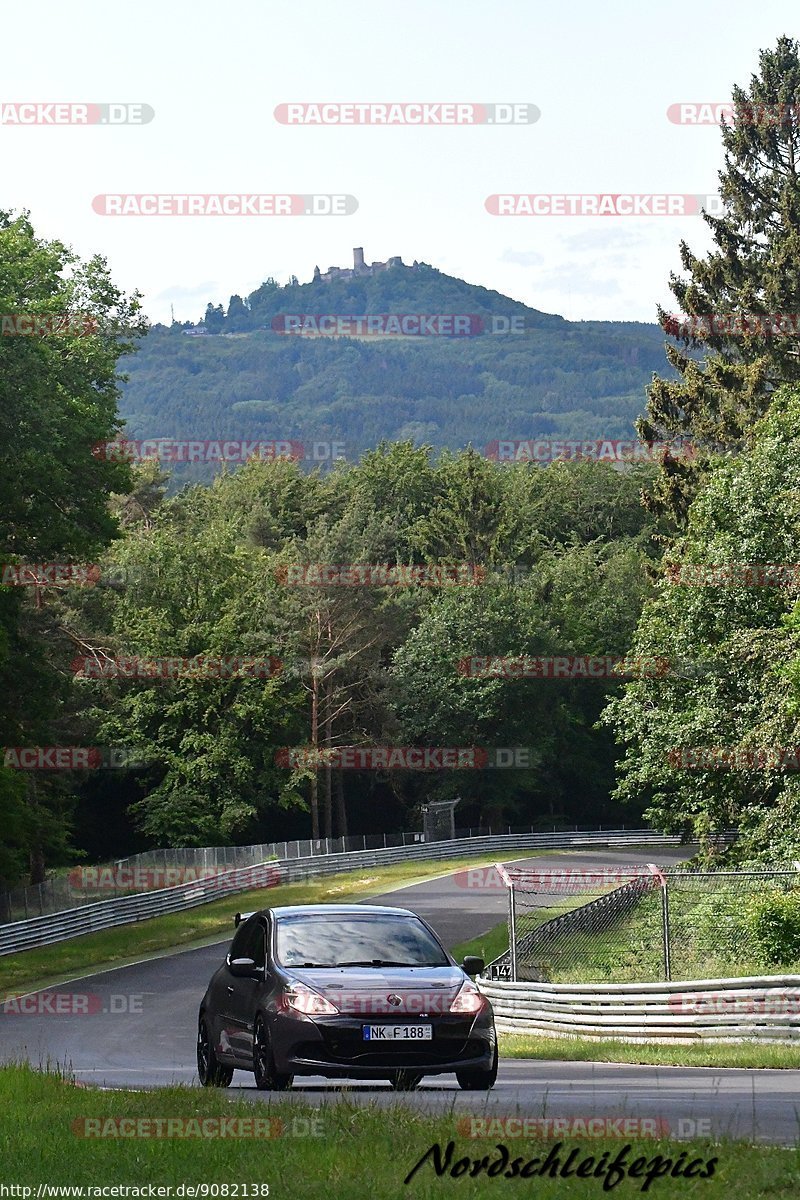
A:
{"x":398,"y":1033}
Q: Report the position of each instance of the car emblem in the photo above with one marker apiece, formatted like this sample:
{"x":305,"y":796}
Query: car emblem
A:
{"x":394,"y":1000}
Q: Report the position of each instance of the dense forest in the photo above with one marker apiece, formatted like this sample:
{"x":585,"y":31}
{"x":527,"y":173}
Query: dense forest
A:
{"x":235,"y":375}
{"x":583,"y":643}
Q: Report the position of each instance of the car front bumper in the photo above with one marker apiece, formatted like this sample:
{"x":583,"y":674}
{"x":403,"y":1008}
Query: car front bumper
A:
{"x":335,"y":1046}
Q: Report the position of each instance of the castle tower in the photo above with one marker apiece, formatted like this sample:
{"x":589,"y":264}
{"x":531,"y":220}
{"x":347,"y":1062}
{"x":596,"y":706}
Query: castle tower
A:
{"x":317,"y":274}
{"x":358,"y":257}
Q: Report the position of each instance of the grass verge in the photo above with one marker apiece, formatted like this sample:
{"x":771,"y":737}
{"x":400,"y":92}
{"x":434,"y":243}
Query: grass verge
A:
{"x":129,"y":943}
{"x":488,"y":946}
{"x":706,"y":942}
{"x":568,"y":1049}
{"x":354,"y":1151}
{"x":709,"y":939}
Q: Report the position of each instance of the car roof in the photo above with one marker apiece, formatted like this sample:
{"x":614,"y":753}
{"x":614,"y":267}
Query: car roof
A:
{"x":333,"y":910}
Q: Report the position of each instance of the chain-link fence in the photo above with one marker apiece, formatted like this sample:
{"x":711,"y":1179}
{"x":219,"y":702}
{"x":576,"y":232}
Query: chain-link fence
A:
{"x":154,"y":869}
{"x":645,"y":924}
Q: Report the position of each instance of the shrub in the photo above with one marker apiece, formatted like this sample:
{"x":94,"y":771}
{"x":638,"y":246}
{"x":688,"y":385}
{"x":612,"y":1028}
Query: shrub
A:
{"x":773,"y":927}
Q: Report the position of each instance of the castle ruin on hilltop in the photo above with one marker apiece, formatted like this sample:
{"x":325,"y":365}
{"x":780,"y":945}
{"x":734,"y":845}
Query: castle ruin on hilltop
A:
{"x":358,"y":269}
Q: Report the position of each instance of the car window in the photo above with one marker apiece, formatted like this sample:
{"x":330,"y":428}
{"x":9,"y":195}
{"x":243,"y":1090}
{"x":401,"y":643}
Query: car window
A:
{"x":249,"y":942}
{"x":335,"y":941}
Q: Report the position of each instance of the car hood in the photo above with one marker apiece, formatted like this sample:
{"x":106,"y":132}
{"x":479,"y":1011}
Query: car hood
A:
{"x":366,"y":990}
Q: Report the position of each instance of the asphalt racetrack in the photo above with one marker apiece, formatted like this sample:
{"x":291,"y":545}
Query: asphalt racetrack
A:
{"x":139,"y":1031}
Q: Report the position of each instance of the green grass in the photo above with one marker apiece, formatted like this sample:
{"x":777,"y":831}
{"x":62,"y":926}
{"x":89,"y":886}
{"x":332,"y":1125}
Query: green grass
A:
{"x":575,"y":1049}
{"x":488,"y":946}
{"x":206,"y":923}
{"x":708,"y":940}
{"x":357,"y":1151}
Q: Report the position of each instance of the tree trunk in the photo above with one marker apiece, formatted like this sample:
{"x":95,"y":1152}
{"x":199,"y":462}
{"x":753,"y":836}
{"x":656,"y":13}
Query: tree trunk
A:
{"x":36,"y":860}
{"x":315,"y":765}
{"x":37,"y":865}
{"x":342,"y":811}
{"x":328,"y":781}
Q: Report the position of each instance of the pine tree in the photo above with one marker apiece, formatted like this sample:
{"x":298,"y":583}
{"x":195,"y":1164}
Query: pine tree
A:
{"x":728,"y":368}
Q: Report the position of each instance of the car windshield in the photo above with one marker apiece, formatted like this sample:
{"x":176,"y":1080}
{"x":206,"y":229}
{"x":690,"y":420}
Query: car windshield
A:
{"x":370,"y":941}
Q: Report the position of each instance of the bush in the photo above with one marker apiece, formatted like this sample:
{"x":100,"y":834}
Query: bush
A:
{"x":773,"y":927}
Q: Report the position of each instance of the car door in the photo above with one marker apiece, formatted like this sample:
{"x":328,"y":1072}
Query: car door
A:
{"x":242,"y":993}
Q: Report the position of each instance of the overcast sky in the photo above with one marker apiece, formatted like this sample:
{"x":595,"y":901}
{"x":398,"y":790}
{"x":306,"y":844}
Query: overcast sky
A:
{"x":602,"y":76}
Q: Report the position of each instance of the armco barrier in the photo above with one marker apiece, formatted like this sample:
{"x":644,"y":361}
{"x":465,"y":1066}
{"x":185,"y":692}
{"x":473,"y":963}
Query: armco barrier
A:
{"x":716,"y":1010}
{"x":104,"y":914}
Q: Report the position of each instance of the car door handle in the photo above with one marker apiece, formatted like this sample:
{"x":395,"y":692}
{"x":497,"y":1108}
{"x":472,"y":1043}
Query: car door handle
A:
{"x":230,"y":989}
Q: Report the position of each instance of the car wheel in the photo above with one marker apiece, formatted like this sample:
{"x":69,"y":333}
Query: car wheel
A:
{"x":478,"y":1080}
{"x":211,"y":1071}
{"x":267,"y":1078}
{"x":405,"y":1081}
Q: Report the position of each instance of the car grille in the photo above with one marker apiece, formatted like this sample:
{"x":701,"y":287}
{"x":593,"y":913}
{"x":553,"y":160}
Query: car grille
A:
{"x":349,"y":1048}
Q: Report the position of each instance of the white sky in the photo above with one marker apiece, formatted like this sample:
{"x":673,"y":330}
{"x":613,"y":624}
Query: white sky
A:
{"x":603,"y":75}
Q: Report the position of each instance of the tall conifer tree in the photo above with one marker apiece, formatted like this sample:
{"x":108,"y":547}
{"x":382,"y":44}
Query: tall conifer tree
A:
{"x":728,"y":361}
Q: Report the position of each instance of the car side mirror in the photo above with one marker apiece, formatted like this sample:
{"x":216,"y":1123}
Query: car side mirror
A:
{"x":245,"y":968}
{"x":472,"y":964}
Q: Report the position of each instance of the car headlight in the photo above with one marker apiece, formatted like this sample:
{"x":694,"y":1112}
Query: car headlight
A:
{"x":468,"y":1000}
{"x":305,"y":1000}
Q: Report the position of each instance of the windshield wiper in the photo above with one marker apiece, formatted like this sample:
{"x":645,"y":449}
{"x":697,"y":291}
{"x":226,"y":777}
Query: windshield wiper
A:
{"x":363,"y":962}
{"x":386,"y":962}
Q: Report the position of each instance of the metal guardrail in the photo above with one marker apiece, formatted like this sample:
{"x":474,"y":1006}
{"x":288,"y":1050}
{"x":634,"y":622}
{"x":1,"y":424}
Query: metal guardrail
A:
{"x":155,"y":869}
{"x":718,"y":1010}
{"x":105,"y":914}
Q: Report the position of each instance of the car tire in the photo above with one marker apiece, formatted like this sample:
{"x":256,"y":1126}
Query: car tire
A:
{"x":211,"y":1071}
{"x":268,"y":1079}
{"x":405,"y":1081}
{"x":478,"y":1080}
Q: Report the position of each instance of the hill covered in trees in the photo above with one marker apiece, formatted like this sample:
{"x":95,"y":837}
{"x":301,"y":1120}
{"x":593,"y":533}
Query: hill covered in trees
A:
{"x":518,"y":373}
